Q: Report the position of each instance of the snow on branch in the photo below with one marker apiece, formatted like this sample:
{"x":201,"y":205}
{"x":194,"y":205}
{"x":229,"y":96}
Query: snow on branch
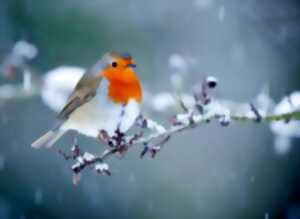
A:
{"x":205,"y":109}
{"x":197,"y":108}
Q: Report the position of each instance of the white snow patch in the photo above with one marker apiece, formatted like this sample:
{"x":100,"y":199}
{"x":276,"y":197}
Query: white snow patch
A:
{"x":162,"y":101}
{"x":58,"y":85}
{"x":88,"y":156}
{"x":80,"y":160}
{"x":287,"y":105}
{"x":282,"y":145}
{"x":101,"y":167}
{"x":155,"y":126}
{"x":285,"y":130}
{"x":25,"y":49}
{"x":27,"y":80}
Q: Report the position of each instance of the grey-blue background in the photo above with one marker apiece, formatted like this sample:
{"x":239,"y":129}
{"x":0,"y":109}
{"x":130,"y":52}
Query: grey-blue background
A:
{"x":209,"y":172}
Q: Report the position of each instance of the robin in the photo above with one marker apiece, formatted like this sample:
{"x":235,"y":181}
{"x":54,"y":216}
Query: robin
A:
{"x":107,"y":97}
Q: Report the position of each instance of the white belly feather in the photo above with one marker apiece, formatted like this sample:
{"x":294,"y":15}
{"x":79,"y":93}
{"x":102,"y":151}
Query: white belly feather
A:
{"x":101,"y":113}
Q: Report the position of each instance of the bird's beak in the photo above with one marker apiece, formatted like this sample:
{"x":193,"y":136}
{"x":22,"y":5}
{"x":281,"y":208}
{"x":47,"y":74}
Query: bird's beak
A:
{"x":132,"y":65}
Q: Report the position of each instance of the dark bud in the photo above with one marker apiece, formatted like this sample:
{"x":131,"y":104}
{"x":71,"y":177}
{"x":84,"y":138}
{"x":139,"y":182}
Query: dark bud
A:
{"x":211,"y":82}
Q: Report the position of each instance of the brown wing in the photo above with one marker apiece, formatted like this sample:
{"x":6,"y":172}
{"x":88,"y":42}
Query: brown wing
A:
{"x":84,"y":91}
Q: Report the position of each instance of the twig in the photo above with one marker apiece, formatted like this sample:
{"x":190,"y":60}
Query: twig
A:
{"x":205,"y":109}
{"x":258,"y":117}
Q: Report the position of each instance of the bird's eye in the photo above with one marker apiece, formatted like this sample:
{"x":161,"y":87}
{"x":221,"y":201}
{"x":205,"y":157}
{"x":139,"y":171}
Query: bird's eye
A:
{"x":114,"y":64}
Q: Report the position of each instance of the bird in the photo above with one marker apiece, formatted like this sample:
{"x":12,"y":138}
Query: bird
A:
{"x":107,"y":97}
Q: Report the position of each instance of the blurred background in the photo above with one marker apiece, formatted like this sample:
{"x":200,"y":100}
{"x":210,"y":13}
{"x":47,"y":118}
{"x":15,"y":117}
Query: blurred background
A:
{"x":208,"y":172}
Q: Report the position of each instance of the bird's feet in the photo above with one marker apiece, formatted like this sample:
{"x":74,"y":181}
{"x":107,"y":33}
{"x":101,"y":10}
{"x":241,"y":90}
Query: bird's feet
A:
{"x":118,"y":141}
{"x":112,"y":141}
{"x":119,"y":138}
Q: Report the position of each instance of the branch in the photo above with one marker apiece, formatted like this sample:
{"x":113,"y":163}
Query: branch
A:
{"x":197,"y":108}
{"x":205,"y":109}
{"x":270,"y":118}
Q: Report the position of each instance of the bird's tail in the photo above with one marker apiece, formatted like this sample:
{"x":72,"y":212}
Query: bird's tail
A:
{"x":47,"y":140}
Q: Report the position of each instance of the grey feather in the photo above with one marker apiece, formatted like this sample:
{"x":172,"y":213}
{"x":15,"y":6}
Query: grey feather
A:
{"x":84,"y":91}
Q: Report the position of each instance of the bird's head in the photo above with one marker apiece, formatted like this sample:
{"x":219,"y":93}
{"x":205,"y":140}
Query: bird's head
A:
{"x":118,"y":65}
{"x":118,"y":69}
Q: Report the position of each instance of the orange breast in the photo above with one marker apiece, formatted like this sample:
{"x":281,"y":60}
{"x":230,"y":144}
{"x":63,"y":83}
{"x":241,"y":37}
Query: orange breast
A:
{"x":122,"y":92}
{"x":123,"y":86}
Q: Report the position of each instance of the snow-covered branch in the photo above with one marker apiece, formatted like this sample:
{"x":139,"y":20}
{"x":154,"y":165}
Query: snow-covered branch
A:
{"x":197,"y":108}
{"x":205,"y":109}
